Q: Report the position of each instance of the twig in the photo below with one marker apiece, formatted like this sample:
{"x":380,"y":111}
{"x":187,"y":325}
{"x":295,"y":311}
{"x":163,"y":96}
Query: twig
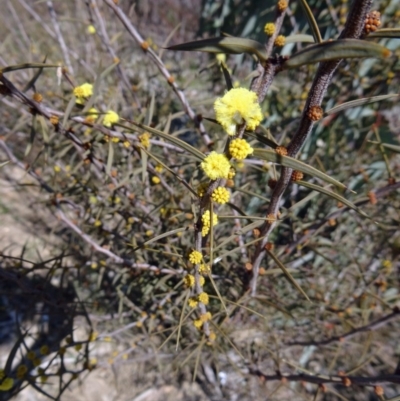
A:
{"x":42,"y":24}
{"x":160,"y":65}
{"x":323,"y":77}
{"x":60,"y":37}
{"x":115,"y":258}
{"x":372,"y":326}
{"x":358,"y":380}
{"x":106,"y":41}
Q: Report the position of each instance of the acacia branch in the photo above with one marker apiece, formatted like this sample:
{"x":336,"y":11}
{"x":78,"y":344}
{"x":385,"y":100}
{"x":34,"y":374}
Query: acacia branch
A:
{"x":372,"y":326}
{"x":353,"y":29}
{"x":322,"y":379}
{"x":161,"y":67}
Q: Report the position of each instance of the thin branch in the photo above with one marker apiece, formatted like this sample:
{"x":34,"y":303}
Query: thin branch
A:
{"x":369,"y":327}
{"x":322,"y":379}
{"x":323,"y":77}
{"x":161,"y":66}
{"x":60,"y":37}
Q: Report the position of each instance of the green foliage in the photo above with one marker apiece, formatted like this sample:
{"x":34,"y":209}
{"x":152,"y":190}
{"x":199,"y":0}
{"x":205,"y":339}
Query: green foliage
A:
{"x":298,"y":286}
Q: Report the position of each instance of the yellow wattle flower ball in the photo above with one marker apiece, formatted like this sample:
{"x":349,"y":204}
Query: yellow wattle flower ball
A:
{"x":193,"y":302}
{"x":198,"y":323}
{"x":92,"y":115}
{"x":216,"y":165}
{"x":240,"y":149}
{"x":282,"y":5}
{"x":203,"y":298}
{"x":84,"y":90}
{"x":110,"y":118}
{"x":205,"y":219}
{"x":145,"y":139}
{"x":236,"y":107}
{"x":204,"y":269}
{"x":201,"y":189}
{"x":91,"y":29}
{"x":269,"y":28}
{"x":280,"y":41}
{"x":195,"y":257}
{"x":220,"y":195}
{"x":189,"y":280}
{"x":206,"y":317}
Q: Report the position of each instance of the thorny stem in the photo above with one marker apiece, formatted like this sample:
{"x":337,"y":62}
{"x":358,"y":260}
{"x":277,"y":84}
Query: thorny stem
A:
{"x":61,"y":216}
{"x":267,"y":71}
{"x":91,"y":4}
{"x":353,"y":29}
{"x":372,"y":326}
{"x":60,"y":37}
{"x":161,"y":66}
{"x":358,"y":380}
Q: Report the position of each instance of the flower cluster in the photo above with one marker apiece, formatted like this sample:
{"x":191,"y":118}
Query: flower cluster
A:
{"x":203,"y":298}
{"x":220,"y":195}
{"x":193,"y":302}
{"x":201,"y":189}
{"x":280,"y":41}
{"x":189,"y":280}
{"x":269,"y":28}
{"x":240,"y":149}
{"x":204,"y":269}
{"x":91,"y":116}
{"x":110,"y":118}
{"x":238,"y":106}
{"x":195,"y":257}
{"x":206,"y":220}
{"x":91,"y":30}
{"x":82,"y":92}
{"x":216,"y":165}
{"x":145,"y":140}
{"x":282,"y":5}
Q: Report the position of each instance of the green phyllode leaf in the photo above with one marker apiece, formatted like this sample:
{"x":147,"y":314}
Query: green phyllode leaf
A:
{"x":336,"y":50}
{"x":229,"y":45}
{"x":287,"y":161}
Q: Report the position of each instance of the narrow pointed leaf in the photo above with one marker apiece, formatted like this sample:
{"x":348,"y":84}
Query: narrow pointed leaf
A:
{"x":360,"y":102}
{"x":110,"y":157}
{"x":143,"y":159}
{"x":4,"y":163}
{"x":169,"y":138}
{"x":26,"y":66}
{"x":299,"y":38}
{"x":32,"y":82}
{"x":336,"y":50}
{"x":311,"y":21}
{"x":395,"y":148}
{"x":288,"y":275}
{"x":263,"y":139}
{"x":229,"y":45}
{"x":161,"y":236}
{"x":333,"y":195}
{"x":385,"y":33}
{"x":227,"y":76}
{"x":272,"y":156}
{"x":96,"y":87}
{"x":68,"y":110}
{"x":31,"y":136}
